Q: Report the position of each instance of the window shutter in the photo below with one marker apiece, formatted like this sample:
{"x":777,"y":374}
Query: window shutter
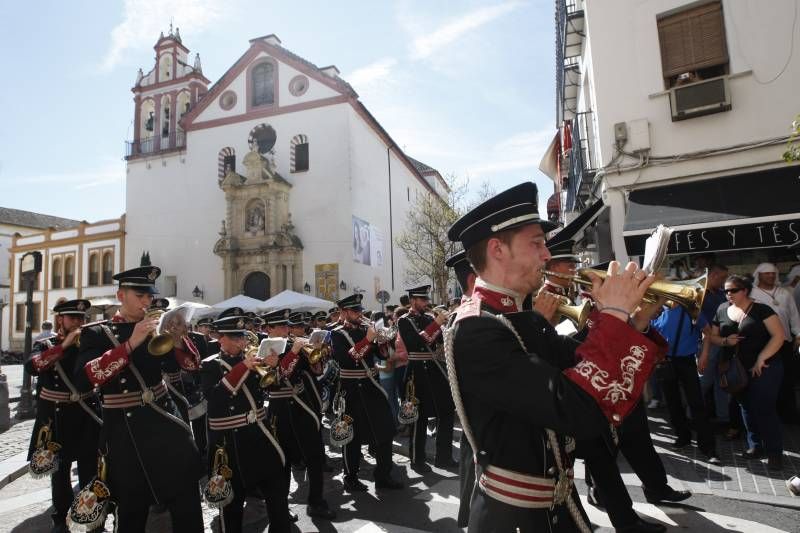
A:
{"x":692,"y":39}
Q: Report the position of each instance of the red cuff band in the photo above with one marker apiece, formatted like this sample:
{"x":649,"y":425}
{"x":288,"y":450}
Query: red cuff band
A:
{"x":360,"y":349}
{"x":47,"y":358}
{"x":431,"y":332}
{"x":107,"y":366}
{"x":615,"y":363}
{"x":235,"y":377}
{"x":288,"y":362}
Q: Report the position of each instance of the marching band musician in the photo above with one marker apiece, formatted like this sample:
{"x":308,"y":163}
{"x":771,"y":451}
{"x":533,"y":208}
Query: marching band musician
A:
{"x":182,"y":374}
{"x":520,"y":389}
{"x":204,"y":328}
{"x":365,"y":400}
{"x":296,"y":415}
{"x":421,"y":334}
{"x":606,"y":487}
{"x":237,"y":427}
{"x":150,"y":453}
{"x":71,"y":419}
{"x":333,"y":318}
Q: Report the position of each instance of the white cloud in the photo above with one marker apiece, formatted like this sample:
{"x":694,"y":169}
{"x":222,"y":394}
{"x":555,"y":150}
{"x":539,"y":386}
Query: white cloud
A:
{"x":521,"y":151}
{"x":424,"y":46}
{"x":372,"y":73}
{"x":145,"y":19}
{"x":108,"y":174}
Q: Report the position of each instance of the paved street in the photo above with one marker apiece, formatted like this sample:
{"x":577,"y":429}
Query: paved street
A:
{"x":737,"y":496}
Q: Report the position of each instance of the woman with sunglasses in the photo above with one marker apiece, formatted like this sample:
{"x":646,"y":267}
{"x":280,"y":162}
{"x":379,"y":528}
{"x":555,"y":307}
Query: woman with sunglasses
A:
{"x":753,"y":332}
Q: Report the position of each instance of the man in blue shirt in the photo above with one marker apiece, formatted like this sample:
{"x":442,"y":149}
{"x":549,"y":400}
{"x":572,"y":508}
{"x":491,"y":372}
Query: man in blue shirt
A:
{"x":679,"y":370}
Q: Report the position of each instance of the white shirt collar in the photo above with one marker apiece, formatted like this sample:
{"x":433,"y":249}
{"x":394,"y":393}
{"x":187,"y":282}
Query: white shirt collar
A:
{"x":518,"y":298}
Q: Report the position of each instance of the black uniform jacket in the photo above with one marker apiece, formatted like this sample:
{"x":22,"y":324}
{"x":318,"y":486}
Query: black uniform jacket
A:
{"x":253,"y":455}
{"x":513,"y":389}
{"x":70,"y":425}
{"x":138,"y":440}
{"x":365,"y":400}
{"x":430,"y":380}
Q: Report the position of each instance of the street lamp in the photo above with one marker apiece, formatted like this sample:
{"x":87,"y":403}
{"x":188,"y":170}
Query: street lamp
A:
{"x":307,"y":287}
{"x":343,"y":285}
{"x":197,"y":292}
{"x":30,"y":266}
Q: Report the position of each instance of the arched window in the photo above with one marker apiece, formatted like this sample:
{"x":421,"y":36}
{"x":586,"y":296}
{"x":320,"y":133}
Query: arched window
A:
{"x":263,"y":84}
{"x":69,"y":272}
{"x":94,"y":269}
{"x":166,"y":109}
{"x":226,"y":160}
{"x":57,"y":273}
{"x":256,"y":285}
{"x":108,"y":267}
{"x":298,"y":154}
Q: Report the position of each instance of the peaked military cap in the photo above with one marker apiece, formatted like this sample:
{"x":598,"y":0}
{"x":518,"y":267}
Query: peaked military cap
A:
{"x":419,"y":292}
{"x":72,"y":307}
{"x":205,"y":321}
{"x":251,"y":315}
{"x":231,"y":321}
{"x":456,"y":259}
{"x":296,"y":319}
{"x":512,"y":208}
{"x":563,"y":251}
{"x":333,"y":310}
{"x":258,"y":322}
{"x":232,"y":311}
{"x":320,"y":315}
{"x":307,"y":316}
{"x":142,"y":279}
{"x":351,"y":302}
{"x":277,"y":317}
{"x":160,"y":303}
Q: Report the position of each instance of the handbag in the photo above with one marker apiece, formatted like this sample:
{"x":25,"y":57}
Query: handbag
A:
{"x":732,"y":374}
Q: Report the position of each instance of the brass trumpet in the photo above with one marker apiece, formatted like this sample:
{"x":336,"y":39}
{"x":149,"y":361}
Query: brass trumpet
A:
{"x":161,"y":342}
{"x":268,"y":374}
{"x":686,"y":293}
{"x":578,"y":314}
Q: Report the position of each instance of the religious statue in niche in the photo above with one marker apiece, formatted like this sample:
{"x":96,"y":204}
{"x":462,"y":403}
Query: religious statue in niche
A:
{"x":255,"y":219}
{"x":148,"y":125}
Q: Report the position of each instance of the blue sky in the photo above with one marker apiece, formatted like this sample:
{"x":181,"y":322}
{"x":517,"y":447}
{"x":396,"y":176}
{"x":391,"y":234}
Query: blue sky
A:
{"x":467,"y":86}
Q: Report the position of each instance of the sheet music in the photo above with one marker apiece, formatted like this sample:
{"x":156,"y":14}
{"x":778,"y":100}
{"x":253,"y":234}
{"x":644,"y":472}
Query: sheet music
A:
{"x":655,"y":249}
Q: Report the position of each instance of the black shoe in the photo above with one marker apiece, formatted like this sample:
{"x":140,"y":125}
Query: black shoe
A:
{"x":421,"y":468}
{"x":681,"y":442}
{"x":642,"y":526}
{"x":752,"y":453}
{"x":711,"y":457}
{"x":354,"y":485}
{"x":388,"y":483}
{"x":775,"y":462}
{"x":320,"y":510}
{"x":299,"y":465}
{"x":667,"y":494}
{"x":446,"y":463}
{"x":293,"y":517}
{"x":593,"y":498}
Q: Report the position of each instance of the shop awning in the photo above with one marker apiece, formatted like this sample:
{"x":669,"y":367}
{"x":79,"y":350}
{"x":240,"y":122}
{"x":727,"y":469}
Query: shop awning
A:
{"x":580,"y":223}
{"x":751,"y":210}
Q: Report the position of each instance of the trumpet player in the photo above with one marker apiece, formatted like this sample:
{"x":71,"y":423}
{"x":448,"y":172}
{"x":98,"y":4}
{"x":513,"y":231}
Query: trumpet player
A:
{"x":72,"y":418}
{"x":421,"y":334}
{"x":520,"y":389}
{"x":295,"y":414}
{"x":238,"y":426}
{"x":150,"y":452}
{"x":365,"y":400}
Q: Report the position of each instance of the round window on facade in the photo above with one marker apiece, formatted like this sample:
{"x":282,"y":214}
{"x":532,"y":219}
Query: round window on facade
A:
{"x":264,"y":136}
{"x":299,"y":85}
{"x":227,"y":100}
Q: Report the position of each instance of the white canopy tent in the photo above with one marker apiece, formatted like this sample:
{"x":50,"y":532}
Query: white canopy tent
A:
{"x":240,"y":300}
{"x":297,"y":302}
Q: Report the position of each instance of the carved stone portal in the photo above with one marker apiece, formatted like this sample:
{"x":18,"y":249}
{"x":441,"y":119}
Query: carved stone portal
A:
{"x":257,"y":240}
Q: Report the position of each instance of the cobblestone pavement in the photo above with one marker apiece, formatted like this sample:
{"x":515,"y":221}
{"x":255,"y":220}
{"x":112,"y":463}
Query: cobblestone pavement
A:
{"x":15,"y":439}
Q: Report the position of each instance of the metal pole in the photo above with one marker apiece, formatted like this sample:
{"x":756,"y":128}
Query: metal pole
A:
{"x":26,"y":408}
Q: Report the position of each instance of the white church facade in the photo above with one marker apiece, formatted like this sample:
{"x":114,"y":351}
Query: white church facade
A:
{"x":275,"y":177}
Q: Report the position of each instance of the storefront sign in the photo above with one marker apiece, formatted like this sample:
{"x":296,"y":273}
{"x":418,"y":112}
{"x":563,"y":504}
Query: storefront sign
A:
{"x":741,"y":237}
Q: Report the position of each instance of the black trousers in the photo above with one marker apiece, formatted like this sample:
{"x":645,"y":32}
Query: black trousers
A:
{"x":199,"y":430}
{"x":61,"y":482}
{"x":313,"y":455}
{"x":275,"y":496}
{"x":383,"y":457}
{"x":787,"y":403}
{"x":444,"y":438}
{"x":185,"y":511}
{"x":686,"y":378}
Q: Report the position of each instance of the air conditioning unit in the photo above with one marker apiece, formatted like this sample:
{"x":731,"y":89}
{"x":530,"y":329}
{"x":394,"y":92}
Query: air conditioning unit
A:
{"x":700,"y":98}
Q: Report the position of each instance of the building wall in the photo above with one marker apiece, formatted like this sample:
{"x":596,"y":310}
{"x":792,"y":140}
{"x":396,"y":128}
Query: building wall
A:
{"x":622,"y":70}
{"x":78,"y":241}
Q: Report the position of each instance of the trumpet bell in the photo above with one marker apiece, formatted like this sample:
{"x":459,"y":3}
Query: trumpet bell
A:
{"x":160,"y":344}
{"x":578,"y":314}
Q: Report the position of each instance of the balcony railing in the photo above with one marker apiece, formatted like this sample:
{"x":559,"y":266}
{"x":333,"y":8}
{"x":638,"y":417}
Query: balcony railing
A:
{"x":582,"y":166}
{"x":569,"y":35}
{"x":151,"y":145}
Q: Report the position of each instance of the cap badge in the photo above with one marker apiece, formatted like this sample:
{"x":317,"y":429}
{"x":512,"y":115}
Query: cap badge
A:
{"x":81,"y":306}
{"x":240,"y":324}
{"x":152,"y":275}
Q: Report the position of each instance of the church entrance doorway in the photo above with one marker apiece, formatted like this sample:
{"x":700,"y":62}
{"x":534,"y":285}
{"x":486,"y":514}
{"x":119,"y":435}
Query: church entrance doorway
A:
{"x":256,"y":285}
